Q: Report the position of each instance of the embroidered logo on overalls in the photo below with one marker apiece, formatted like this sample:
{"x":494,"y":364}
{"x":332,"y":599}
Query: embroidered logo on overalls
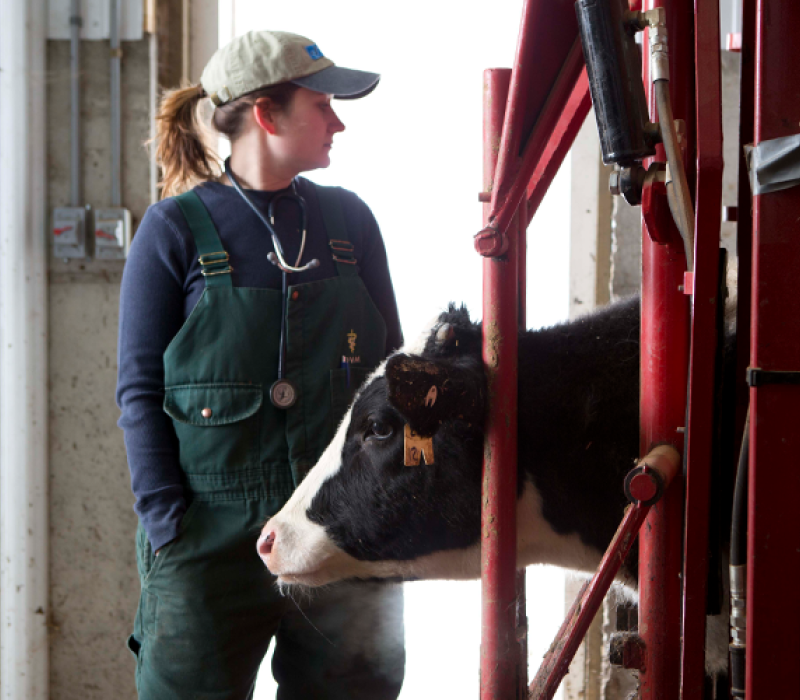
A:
{"x":351,"y":340}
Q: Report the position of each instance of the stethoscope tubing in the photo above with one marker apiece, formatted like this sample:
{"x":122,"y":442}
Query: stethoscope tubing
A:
{"x":277,"y":258}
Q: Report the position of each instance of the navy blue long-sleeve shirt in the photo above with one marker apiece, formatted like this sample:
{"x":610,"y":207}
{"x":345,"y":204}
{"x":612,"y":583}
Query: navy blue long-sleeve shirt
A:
{"x":162,"y":283}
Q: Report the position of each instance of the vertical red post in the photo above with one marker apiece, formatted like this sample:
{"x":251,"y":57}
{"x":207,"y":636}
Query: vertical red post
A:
{"x":773,"y":606}
{"x":499,"y":648}
{"x":664,"y":374}
{"x":700,"y":435}
{"x":522,"y":296}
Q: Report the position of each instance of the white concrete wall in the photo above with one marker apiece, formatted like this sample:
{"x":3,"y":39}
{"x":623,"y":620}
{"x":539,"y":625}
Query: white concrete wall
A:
{"x":94,"y":584}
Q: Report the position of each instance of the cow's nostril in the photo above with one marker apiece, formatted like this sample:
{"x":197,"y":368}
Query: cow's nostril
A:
{"x":265,"y":543}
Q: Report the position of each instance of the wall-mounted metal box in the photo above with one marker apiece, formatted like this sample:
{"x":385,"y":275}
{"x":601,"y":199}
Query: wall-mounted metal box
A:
{"x":112,"y":233}
{"x":69,"y":232}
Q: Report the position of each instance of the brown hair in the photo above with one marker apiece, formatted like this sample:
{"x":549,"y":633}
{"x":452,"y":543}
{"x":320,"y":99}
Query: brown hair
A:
{"x":182,"y":149}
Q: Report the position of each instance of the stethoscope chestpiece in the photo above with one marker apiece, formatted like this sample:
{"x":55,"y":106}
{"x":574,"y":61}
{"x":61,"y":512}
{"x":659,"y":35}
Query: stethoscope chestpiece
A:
{"x":283,"y":394}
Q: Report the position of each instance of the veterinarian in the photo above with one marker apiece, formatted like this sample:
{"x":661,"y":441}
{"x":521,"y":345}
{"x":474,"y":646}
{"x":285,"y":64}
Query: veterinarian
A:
{"x":253,"y":304}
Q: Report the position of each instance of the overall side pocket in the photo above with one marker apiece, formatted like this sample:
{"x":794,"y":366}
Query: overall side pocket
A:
{"x":157,"y":561}
{"x":217,"y":425}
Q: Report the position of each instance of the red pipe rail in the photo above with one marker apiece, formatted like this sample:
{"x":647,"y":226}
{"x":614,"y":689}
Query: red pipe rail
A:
{"x":664,"y":375}
{"x":514,"y":172}
{"x":555,"y":149}
{"x":500,"y":658}
{"x":703,"y":355}
{"x":773,"y":606}
{"x":542,"y":117}
{"x":544,"y":112}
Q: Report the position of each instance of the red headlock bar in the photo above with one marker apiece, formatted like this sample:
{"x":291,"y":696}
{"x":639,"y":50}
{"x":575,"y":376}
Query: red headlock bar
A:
{"x":645,"y":485}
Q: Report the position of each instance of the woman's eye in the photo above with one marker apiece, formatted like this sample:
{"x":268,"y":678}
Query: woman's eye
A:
{"x":378,"y":430}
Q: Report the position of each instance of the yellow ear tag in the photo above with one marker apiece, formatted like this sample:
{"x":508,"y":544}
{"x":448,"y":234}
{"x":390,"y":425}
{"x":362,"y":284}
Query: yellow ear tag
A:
{"x":416,"y":447}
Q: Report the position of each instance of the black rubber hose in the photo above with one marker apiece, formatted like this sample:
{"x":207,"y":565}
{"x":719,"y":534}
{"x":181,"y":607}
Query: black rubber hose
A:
{"x":738,"y":570}
{"x":739,"y":519}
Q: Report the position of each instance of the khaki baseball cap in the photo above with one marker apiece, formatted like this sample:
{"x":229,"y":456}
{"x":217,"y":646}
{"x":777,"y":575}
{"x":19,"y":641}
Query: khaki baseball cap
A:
{"x":260,"y":59}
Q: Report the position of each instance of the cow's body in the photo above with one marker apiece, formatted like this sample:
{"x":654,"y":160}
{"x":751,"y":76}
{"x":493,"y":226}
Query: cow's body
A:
{"x":362,"y":513}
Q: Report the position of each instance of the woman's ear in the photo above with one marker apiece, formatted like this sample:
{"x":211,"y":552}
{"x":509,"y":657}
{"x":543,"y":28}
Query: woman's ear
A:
{"x":264,"y":114}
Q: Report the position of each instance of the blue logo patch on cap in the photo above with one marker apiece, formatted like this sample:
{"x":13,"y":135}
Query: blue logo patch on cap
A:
{"x":314,"y":52}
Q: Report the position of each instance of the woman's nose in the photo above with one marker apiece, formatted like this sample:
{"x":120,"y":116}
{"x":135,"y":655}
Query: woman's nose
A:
{"x":337,"y":124}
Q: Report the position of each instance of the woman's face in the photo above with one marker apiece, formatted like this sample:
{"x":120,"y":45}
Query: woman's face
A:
{"x":304,"y":132}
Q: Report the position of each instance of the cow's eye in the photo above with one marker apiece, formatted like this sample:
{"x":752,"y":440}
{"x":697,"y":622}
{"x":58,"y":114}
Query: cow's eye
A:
{"x":378,"y":430}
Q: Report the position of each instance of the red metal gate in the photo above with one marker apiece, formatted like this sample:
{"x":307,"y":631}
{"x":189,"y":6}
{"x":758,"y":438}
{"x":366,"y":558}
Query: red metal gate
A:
{"x":548,"y":99}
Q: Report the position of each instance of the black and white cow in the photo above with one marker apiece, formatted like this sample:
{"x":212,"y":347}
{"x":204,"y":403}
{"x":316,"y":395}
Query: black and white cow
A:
{"x":361,"y":513}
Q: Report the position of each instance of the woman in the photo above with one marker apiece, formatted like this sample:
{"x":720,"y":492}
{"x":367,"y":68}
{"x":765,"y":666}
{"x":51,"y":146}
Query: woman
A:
{"x":217,"y":433}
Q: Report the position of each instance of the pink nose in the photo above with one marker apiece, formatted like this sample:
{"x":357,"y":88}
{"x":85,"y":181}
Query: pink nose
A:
{"x":265,"y":543}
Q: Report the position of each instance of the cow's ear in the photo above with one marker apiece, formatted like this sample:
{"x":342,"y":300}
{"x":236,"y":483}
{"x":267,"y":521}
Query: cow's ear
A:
{"x":453,"y":334}
{"x":429,"y":392}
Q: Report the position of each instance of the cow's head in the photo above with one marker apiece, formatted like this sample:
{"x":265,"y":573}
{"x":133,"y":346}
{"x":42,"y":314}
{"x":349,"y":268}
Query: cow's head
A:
{"x":367,"y":509}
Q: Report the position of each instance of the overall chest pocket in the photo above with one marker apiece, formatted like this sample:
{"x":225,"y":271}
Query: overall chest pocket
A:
{"x":217,"y":425}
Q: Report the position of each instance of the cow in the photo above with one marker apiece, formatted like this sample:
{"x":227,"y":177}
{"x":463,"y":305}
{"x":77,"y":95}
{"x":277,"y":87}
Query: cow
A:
{"x":361,"y":512}
{"x":364,"y":512}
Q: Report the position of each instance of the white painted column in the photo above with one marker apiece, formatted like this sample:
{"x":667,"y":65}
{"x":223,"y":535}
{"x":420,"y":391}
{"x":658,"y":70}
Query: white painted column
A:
{"x":205,"y":20}
{"x":204,"y":23}
{"x":590,"y":235}
{"x":24,"y":601}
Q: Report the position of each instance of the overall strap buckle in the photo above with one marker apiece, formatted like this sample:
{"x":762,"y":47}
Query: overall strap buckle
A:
{"x":215,"y":264}
{"x":344,"y":248}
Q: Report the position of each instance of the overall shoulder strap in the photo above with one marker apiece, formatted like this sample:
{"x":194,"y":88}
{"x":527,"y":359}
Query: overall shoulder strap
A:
{"x":213,"y":258}
{"x":338,"y":239}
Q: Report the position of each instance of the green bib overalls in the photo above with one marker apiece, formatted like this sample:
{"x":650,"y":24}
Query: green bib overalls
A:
{"x":209,"y":607}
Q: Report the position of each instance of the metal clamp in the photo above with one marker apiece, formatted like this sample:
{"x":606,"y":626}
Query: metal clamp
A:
{"x":644,"y":485}
{"x":760,"y":377}
{"x":490,"y":243}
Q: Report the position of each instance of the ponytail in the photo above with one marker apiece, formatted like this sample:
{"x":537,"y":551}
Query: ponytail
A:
{"x":181,"y":151}
{"x":184,"y":156}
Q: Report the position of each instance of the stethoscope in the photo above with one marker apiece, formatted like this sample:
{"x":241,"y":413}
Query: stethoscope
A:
{"x":283,"y":392}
